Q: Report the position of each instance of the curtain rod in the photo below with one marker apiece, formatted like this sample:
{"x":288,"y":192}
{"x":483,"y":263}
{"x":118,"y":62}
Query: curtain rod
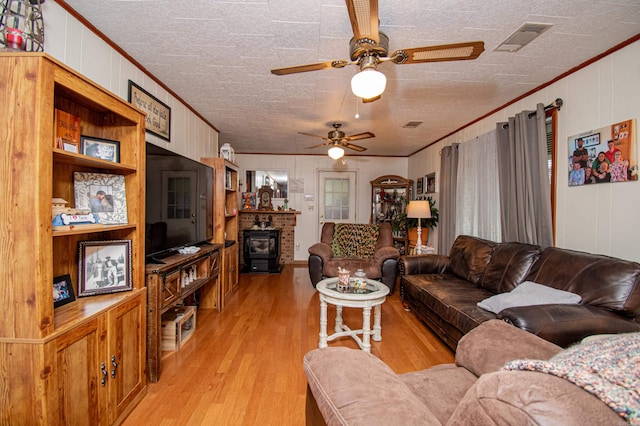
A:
{"x":557,"y":104}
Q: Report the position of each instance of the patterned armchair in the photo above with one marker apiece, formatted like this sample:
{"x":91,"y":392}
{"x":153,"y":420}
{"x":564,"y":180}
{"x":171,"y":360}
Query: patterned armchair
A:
{"x":353,"y":246}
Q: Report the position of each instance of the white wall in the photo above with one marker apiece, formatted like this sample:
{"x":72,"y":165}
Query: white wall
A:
{"x":599,"y":219}
{"x":306,"y":167}
{"x":67,"y":40}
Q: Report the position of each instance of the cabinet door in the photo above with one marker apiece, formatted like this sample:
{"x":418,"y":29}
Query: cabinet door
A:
{"x":82,"y":386}
{"x":126,"y":354}
{"x":233,"y":273}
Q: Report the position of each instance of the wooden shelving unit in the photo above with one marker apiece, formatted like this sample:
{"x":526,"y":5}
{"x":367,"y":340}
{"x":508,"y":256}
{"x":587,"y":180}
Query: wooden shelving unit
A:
{"x":225,"y":219}
{"x":83,"y":362}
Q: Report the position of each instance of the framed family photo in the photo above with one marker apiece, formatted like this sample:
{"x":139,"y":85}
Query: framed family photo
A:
{"x":104,"y":149}
{"x":103,"y":195}
{"x":62,"y":291}
{"x":104,"y":267}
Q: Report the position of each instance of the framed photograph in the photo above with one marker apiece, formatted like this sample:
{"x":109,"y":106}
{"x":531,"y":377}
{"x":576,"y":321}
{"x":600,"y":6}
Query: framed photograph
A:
{"x":62,"y":291}
{"x":104,"y":267}
{"x":419,"y":185}
{"x":431,"y":183}
{"x":103,"y":149}
{"x":102,"y":194}
{"x":158,"y":113}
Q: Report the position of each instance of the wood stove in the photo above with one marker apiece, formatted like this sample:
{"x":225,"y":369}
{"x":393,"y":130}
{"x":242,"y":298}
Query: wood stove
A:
{"x":261,"y":250}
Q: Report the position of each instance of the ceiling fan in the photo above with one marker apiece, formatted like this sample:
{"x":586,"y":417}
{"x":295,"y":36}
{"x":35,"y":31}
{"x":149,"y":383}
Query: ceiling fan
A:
{"x":338,"y":139}
{"x":369,"y":47}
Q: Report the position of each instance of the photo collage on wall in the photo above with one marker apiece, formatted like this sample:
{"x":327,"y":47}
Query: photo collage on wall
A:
{"x":605,"y":155}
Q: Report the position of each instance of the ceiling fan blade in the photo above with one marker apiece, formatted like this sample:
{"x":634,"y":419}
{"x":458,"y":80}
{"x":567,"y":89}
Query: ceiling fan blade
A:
{"x":353,"y":147}
{"x":356,"y":137}
{"x":320,"y":144}
{"x":309,"y":67}
{"x":312,"y":135}
{"x":440,"y":53}
{"x":363,"y":15}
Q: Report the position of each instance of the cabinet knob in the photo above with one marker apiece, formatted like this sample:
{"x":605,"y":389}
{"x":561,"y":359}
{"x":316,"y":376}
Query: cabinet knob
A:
{"x":115,"y":366}
{"x":103,"y":368}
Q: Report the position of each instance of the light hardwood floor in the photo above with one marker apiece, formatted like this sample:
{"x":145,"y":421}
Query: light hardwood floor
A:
{"x":244,"y":366}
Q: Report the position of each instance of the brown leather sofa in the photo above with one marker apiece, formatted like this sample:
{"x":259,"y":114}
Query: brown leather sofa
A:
{"x":352,"y":387}
{"x":379,"y":261}
{"x":443,"y":291}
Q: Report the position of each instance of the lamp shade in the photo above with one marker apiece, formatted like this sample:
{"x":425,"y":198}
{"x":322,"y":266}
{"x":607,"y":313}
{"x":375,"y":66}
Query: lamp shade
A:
{"x":420,"y":209}
{"x":336,"y":152}
{"x":368,"y":83}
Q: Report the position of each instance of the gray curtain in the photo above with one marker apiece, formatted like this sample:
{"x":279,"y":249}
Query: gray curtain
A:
{"x":525,"y":194}
{"x":448,"y":186}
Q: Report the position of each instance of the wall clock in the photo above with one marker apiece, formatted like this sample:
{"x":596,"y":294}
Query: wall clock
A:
{"x":265,"y":193}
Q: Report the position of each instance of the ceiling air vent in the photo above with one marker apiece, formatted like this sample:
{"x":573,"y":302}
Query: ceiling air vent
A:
{"x":523,"y":36}
{"x":412,"y":124}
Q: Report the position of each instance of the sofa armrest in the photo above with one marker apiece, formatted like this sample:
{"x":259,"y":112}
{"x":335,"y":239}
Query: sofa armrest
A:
{"x":424,"y":264}
{"x":565,"y":325}
{"x":322,"y":250}
{"x":384,"y":253}
{"x":354,"y":387}
{"x":489,"y":346}
{"x":530,"y":398}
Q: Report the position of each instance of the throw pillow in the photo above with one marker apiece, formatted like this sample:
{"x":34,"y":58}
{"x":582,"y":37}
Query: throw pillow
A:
{"x":528,"y":294}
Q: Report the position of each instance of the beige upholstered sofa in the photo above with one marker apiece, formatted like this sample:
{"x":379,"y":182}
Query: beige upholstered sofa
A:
{"x":351,"y":387}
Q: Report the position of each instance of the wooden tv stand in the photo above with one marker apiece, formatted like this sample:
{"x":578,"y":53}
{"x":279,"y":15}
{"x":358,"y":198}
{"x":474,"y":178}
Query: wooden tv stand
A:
{"x":168,"y":283}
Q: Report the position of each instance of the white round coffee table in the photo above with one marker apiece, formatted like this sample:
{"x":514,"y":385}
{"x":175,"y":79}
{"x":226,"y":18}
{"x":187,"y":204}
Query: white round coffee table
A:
{"x":374,"y":295}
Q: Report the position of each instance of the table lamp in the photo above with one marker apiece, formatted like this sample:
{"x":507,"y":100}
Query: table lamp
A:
{"x":419,"y":209}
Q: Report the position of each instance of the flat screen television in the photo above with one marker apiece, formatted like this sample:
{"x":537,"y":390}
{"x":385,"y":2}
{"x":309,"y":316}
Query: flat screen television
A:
{"x":179,"y":203}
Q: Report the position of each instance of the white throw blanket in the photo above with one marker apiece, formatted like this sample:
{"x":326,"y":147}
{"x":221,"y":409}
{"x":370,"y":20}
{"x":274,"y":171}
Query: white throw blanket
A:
{"x":527,"y":294}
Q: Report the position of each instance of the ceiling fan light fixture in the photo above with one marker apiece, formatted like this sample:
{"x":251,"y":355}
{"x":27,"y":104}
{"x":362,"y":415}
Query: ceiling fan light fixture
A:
{"x":336,"y":152}
{"x":368,"y":83}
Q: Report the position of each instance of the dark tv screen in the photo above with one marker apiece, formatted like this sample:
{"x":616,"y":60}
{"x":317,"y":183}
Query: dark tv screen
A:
{"x":179,"y":202}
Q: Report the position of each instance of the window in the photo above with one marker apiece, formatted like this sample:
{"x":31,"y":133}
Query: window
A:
{"x":336,"y":199}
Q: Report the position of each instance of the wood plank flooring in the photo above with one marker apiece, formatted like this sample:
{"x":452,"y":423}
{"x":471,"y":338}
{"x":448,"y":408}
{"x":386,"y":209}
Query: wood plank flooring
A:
{"x":243,"y":366}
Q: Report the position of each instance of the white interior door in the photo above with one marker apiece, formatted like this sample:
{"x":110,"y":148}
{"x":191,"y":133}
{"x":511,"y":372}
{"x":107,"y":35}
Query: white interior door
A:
{"x":337,"y":201}
{"x":179,"y":207}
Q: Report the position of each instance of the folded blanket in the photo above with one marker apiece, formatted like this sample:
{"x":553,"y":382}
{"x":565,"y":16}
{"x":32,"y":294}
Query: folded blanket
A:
{"x":608,"y":368}
{"x":527,"y":294}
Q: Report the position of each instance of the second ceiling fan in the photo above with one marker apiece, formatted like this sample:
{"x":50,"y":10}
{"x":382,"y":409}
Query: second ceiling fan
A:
{"x":369,"y":47}
{"x":338,"y":139}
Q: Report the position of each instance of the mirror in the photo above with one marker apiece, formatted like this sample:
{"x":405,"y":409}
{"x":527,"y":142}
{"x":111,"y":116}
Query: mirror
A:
{"x":278,"y":180}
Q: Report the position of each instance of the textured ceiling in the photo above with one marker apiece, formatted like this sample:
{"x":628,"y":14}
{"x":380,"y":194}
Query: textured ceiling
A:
{"x":217,"y":56}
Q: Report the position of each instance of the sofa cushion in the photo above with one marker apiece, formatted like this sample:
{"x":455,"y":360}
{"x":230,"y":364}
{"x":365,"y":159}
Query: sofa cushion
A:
{"x":470,"y":256}
{"x":528,"y":294}
{"x":451,"y":298}
{"x":370,"y":267}
{"x":602,"y":281}
{"x":355,"y":240}
{"x":509,"y":265}
{"x":440,"y":388}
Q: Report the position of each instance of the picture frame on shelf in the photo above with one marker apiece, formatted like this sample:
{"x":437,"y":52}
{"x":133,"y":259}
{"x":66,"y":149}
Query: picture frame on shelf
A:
{"x":158,"y":120}
{"x":102,"y":194}
{"x":67,"y":131}
{"x":104,"y":267}
{"x":103,"y":149}
{"x":62,"y":291}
